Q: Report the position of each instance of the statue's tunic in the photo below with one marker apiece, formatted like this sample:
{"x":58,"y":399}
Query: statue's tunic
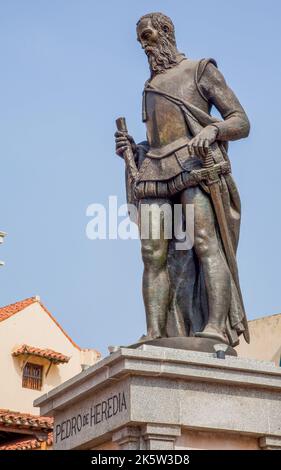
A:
{"x":176,"y":107}
{"x":195,"y":84}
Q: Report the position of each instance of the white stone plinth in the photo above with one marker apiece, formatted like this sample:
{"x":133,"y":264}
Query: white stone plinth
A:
{"x":162,"y":398}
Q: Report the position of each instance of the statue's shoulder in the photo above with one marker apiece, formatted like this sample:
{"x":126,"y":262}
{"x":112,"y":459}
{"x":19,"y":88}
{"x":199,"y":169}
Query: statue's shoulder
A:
{"x":194,"y":70}
{"x":201,"y":66}
{"x":189,"y":65}
{"x":197,"y":67}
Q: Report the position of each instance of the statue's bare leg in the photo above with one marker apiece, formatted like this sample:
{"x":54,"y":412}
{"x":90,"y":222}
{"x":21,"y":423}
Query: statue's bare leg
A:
{"x":156,"y":287}
{"x":216,"y":272}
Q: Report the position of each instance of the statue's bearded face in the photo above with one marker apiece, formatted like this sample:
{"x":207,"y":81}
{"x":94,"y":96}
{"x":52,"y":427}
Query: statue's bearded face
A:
{"x":160,"y":51}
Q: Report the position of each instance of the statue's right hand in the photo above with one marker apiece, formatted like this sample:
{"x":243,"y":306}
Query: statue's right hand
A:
{"x":122,"y":141}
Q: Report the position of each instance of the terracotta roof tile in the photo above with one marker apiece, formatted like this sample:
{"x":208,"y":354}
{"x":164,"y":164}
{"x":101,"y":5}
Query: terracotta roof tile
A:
{"x":26,"y":444}
{"x":16,"y":419}
{"x":9,"y":310}
{"x":12,"y":309}
{"x":49,"y":354}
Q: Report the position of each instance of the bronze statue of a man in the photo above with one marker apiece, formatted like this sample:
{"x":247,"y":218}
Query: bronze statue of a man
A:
{"x":184,"y":160}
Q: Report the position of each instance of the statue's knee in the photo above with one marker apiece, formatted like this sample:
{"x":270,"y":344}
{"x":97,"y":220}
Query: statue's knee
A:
{"x":204,"y":244}
{"x":154,"y":256}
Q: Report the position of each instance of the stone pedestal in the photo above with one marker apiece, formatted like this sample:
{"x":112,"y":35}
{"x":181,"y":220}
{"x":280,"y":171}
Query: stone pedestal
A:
{"x":161,"y":398}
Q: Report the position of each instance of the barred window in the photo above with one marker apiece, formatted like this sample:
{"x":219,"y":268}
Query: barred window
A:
{"x":32,"y":376}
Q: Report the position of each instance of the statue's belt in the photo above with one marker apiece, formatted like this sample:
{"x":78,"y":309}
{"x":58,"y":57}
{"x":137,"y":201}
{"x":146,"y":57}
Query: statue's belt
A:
{"x":200,"y":176}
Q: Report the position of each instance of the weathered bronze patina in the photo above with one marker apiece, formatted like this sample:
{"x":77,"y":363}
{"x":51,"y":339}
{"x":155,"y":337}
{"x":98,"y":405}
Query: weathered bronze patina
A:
{"x":194,"y":292}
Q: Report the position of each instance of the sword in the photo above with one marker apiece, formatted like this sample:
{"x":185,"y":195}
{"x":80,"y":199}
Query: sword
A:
{"x":210,"y":174}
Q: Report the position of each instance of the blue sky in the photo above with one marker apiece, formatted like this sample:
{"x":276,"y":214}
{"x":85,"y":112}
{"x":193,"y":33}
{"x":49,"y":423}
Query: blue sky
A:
{"x":68,"y":69}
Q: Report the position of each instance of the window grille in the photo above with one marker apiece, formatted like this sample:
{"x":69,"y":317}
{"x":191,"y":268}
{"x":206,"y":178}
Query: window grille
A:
{"x":32,"y":376}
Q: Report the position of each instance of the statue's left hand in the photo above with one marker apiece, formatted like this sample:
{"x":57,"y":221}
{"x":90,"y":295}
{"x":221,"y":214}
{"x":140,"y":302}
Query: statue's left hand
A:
{"x":200,"y":144}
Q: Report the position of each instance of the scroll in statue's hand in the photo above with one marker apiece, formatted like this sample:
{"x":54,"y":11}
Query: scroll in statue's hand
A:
{"x":200,"y":144}
{"x":122,"y":141}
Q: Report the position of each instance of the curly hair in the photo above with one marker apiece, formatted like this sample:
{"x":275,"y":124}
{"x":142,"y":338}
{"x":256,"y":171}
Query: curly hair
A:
{"x":163,"y":24}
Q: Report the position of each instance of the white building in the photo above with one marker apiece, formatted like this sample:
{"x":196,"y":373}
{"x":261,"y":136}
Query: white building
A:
{"x":36,"y":355}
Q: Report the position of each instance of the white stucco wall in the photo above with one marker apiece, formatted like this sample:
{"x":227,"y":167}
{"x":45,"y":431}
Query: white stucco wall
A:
{"x":34,"y":327}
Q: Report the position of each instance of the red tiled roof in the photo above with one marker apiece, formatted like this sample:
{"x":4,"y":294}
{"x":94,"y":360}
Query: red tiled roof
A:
{"x":49,"y":354}
{"x":9,"y":310}
{"x":23,"y":421}
{"x":12,"y":309}
{"x":27,"y":444}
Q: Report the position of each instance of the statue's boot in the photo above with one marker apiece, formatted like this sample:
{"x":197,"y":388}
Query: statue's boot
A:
{"x":213,"y":331}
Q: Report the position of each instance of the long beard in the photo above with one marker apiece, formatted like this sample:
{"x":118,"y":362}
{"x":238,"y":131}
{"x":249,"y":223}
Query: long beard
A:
{"x":161,"y":57}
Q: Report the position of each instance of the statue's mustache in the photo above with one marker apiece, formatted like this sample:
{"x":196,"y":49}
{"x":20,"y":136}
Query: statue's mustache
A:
{"x":151,"y":50}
